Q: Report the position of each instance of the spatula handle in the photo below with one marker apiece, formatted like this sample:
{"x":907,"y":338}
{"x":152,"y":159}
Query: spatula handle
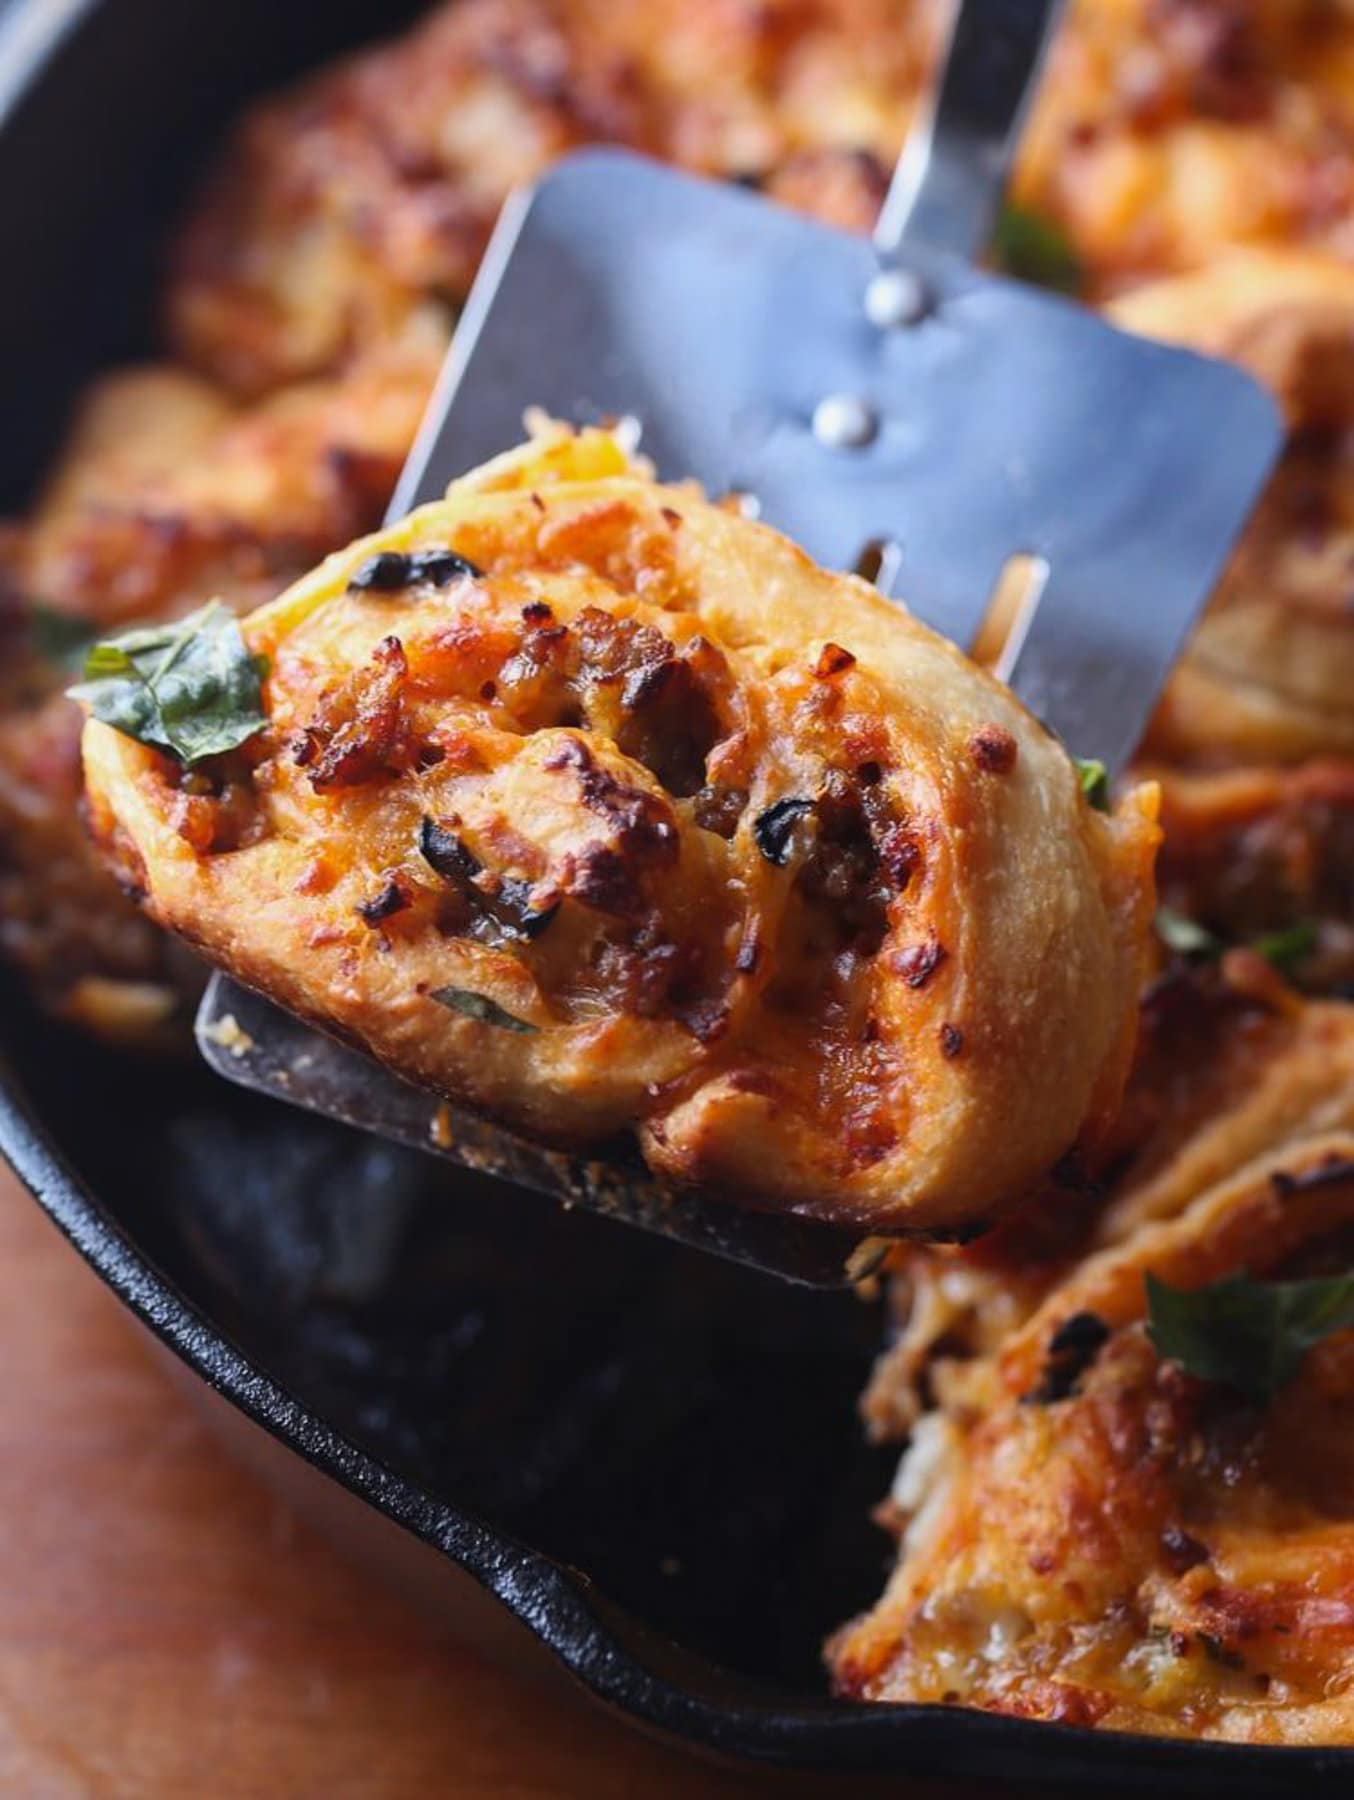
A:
{"x":952,"y":174}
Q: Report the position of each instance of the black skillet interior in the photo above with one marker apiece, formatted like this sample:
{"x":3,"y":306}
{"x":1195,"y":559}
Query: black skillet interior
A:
{"x":681,"y":1431}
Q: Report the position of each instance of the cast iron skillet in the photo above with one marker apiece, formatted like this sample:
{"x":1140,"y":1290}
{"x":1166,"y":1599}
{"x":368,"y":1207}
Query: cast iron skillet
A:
{"x":649,"y":1460}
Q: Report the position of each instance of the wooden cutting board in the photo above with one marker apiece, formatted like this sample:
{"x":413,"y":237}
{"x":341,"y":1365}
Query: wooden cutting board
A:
{"x":167,"y":1628}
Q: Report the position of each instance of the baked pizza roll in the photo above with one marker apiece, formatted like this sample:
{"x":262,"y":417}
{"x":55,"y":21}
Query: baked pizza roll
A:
{"x":1138,"y":1513}
{"x":1167,"y":132}
{"x":598,"y":807}
{"x":1264,"y":857}
{"x":167,"y":493}
{"x":1269,"y":674}
{"x":1230,"y":1066}
{"x":342,"y":209}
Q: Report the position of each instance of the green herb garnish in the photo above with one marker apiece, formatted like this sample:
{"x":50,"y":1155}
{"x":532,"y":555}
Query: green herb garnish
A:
{"x":1250,"y":1334}
{"x":1095,"y":781}
{"x":60,"y":637}
{"x":1284,"y":948}
{"x":1289,"y":946}
{"x":479,"y":1006}
{"x":1032,"y":248}
{"x":191,"y":688}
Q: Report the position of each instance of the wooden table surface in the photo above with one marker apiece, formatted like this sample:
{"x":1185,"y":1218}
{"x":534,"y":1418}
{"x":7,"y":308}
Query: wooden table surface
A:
{"x":168,"y":1628}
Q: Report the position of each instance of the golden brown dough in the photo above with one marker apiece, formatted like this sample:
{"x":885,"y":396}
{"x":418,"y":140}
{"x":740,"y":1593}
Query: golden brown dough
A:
{"x":1166,"y":131}
{"x":1250,"y":853}
{"x":1269,"y":674}
{"x":1228,"y":1068}
{"x":1169,"y":131}
{"x":168,"y":494}
{"x":341,"y":210}
{"x":1092,"y":1535}
{"x":1139,"y":1551}
{"x":738,"y":854}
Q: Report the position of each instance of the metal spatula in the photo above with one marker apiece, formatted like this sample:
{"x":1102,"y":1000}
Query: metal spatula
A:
{"x":880,"y":401}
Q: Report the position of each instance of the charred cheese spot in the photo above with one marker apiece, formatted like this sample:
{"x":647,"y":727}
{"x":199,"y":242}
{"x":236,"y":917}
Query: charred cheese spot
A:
{"x":994,"y":749}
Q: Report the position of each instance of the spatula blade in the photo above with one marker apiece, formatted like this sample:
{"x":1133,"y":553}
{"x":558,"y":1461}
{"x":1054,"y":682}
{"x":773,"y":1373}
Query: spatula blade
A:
{"x":256,"y":1045}
{"x":1009,"y":421}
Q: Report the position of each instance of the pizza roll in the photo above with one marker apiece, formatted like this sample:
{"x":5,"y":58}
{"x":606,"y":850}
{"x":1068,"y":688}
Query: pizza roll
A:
{"x":1269,"y":674}
{"x":1138,"y":1513}
{"x":599,"y":808}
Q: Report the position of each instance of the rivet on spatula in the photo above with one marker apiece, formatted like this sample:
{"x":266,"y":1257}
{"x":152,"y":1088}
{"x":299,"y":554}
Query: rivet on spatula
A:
{"x":895,"y":297}
{"x":845,"y":422}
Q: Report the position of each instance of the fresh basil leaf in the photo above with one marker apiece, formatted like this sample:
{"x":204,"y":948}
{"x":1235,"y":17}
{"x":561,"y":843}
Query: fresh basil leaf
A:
{"x":1032,"y":248}
{"x":479,"y":1006}
{"x":191,"y":687}
{"x":60,"y":637}
{"x":1095,"y":781}
{"x":1250,"y":1334}
{"x":1284,"y":948}
{"x":1289,"y":946}
{"x":1186,"y":936}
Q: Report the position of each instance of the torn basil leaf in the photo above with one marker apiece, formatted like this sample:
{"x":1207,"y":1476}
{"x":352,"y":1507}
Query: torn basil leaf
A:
{"x":1186,"y":936}
{"x":1032,"y":248}
{"x":479,"y":1006}
{"x":1095,"y":781}
{"x":1250,"y":1334}
{"x":1289,"y":946}
{"x":1284,"y":947}
{"x":60,"y":637}
{"x":191,"y":688}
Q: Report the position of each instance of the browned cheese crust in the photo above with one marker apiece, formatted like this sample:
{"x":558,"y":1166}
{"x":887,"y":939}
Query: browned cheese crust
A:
{"x":1269,"y":674}
{"x":345,"y":219}
{"x":1166,"y":131}
{"x":1094,"y":1537}
{"x":169,"y":494}
{"x":1230,"y":1065}
{"x":766,"y":870}
{"x":1254,"y":852}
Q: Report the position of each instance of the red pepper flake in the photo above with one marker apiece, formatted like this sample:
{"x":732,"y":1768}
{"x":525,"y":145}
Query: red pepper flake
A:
{"x":537,"y":612}
{"x":832,"y":660}
{"x":951,"y":1041}
{"x":672,"y":517}
{"x":993,"y":749}
{"x":917,"y":963}
{"x":537,"y":502}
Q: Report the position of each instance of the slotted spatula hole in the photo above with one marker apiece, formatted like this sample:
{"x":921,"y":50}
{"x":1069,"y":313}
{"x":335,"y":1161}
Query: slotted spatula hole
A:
{"x":880,"y":562}
{"x":1010,"y":610}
